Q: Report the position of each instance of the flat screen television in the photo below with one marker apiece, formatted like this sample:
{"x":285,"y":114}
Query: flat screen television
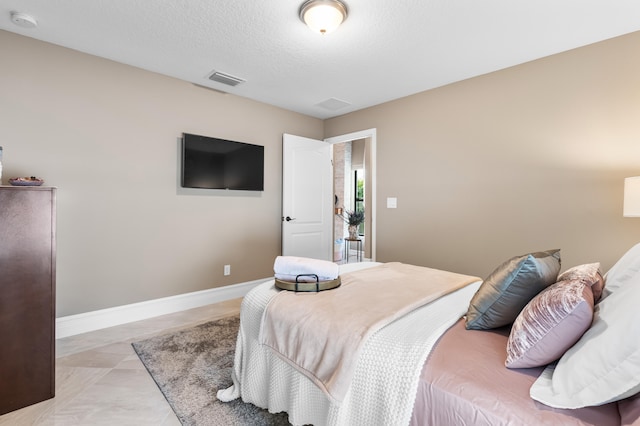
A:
{"x":213,"y":163}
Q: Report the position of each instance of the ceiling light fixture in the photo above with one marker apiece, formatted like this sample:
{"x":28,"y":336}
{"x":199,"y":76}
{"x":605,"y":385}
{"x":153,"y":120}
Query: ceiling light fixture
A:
{"x":323,"y":16}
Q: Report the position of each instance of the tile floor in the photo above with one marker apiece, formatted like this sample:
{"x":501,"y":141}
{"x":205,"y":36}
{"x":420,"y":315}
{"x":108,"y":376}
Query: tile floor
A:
{"x":101,"y":381}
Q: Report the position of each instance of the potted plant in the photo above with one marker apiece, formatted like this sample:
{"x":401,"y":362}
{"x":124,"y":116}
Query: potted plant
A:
{"x":353,"y":218}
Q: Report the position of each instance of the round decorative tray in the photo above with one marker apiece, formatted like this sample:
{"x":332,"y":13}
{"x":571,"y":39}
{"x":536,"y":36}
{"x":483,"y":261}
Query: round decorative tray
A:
{"x":304,"y":286}
{"x":26,"y":181}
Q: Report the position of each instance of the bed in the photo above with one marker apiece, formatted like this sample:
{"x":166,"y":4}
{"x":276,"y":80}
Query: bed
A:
{"x":431,"y":368}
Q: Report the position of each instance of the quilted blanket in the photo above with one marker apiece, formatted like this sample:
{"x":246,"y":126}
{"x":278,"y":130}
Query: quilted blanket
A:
{"x":321,"y":334}
{"x":386,"y":374}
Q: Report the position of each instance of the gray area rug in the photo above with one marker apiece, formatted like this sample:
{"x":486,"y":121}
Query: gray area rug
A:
{"x":189,"y":367}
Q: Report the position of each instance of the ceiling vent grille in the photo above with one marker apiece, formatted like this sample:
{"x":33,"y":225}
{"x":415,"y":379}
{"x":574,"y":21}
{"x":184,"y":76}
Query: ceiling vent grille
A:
{"x":227,"y":79}
{"x":333,"y":104}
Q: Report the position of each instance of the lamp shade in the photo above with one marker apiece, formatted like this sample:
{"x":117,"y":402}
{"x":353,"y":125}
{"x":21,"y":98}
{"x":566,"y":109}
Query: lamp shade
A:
{"x":631,"y":197}
{"x":323,"y":16}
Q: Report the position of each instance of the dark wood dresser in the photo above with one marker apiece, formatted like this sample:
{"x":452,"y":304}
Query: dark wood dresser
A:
{"x":27,"y":295}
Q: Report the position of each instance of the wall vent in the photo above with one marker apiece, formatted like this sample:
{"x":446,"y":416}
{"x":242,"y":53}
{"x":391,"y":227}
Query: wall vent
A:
{"x":227,"y":79}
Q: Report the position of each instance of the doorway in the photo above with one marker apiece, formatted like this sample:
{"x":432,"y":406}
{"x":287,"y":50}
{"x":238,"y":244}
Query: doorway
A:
{"x":354,"y":160}
{"x":305,"y":204}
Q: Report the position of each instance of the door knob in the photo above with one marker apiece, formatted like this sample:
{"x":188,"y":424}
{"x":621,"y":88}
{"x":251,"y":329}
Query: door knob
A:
{"x":289,"y":219}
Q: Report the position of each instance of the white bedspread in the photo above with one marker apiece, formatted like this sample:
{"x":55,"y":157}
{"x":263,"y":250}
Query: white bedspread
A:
{"x":385,"y":379}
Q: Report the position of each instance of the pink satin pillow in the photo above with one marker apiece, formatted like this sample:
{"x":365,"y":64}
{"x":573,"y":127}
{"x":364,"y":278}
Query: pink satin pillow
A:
{"x":590,"y":274}
{"x":549,"y":324}
{"x":630,"y":410}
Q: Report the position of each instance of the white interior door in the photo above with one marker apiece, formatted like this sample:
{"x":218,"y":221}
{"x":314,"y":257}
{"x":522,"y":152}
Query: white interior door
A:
{"x":307,"y":198}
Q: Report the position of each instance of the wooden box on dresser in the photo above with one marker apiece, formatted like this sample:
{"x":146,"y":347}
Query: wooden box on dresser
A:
{"x":27,"y":295}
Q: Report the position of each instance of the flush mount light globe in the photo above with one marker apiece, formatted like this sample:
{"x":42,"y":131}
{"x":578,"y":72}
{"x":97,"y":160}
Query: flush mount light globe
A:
{"x":323,"y":16}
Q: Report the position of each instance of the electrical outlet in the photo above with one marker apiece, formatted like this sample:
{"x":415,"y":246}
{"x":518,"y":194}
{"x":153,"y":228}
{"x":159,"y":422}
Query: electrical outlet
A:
{"x":227,"y":269}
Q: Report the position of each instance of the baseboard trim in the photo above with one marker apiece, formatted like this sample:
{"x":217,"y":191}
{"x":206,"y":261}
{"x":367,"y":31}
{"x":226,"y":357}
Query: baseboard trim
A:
{"x":103,"y":318}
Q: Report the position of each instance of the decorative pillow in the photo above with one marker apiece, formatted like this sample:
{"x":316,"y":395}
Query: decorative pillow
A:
{"x":510,"y":287}
{"x":604,"y":365}
{"x":630,"y":410}
{"x":590,"y":274}
{"x":550,"y":324}
{"x":623,"y":271}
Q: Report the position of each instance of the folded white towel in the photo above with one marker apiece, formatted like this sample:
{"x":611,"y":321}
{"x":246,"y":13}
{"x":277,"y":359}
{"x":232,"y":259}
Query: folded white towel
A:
{"x":286,"y":268}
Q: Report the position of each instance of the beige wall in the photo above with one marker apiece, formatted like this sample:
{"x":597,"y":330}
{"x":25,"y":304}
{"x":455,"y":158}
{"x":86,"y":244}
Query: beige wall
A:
{"x":106,"y":134}
{"x":528,"y":158}
{"x":525,"y":159}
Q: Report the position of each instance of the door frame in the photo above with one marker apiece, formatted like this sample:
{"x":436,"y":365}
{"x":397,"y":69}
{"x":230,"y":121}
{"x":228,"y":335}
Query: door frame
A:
{"x":371,"y":135}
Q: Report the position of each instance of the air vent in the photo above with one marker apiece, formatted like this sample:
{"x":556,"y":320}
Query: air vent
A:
{"x":227,"y":79}
{"x":333,"y":104}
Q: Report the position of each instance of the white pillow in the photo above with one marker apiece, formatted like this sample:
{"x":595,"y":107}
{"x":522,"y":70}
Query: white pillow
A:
{"x":604,"y":365}
{"x":624,"y":270}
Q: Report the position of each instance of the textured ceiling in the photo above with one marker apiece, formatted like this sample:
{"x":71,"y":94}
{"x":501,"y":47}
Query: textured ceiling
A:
{"x":383,"y":51}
